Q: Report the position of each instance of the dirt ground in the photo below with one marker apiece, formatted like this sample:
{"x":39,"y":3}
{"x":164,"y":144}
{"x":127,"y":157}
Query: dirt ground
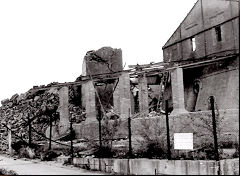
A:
{"x":37,"y":167}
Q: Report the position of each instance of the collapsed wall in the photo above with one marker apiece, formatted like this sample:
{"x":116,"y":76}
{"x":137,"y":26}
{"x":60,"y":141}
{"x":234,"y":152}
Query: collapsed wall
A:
{"x":81,"y":102}
{"x":107,"y":61}
{"x":37,"y":106}
{"x":62,"y":103}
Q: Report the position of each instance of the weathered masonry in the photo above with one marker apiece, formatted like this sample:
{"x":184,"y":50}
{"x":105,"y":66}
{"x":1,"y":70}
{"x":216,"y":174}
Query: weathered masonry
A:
{"x":105,"y":61}
{"x":104,"y":88}
{"x":103,"y":68}
{"x":203,"y":57}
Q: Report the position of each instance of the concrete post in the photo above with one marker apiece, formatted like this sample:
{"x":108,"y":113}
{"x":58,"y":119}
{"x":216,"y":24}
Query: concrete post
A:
{"x":116,"y":97}
{"x":9,"y":140}
{"x":143,"y":94}
{"x":121,"y":96}
{"x":63,"y":110}
{"x":90,"y":102}
{"x":177,"y":92}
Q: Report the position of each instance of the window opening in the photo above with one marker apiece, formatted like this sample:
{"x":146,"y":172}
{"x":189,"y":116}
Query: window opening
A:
{"x":193,"y":40}
{"x":218,"y":33}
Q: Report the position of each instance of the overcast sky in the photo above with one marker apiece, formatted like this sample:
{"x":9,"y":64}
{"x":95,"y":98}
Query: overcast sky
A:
{"x":43,"y":41}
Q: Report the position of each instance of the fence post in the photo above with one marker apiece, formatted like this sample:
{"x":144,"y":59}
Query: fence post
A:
{"x":29,"y":130}
{"x":99,"y":128}
{"x":50,"y":134}
{"x":215,"y":132}
{"x":129,"y":135}
{"x":9,"y":139}
{"x":168,"y":136}
{"x":71,"y":137}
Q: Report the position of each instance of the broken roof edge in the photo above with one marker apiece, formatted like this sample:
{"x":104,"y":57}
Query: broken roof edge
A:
{"x":179,"y":26}
{"x":147,"y":65}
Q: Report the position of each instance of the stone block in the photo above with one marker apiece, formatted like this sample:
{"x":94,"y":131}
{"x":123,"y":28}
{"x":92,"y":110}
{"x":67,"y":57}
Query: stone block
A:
{"x":5,"y":101}
{"x":105,"y":60}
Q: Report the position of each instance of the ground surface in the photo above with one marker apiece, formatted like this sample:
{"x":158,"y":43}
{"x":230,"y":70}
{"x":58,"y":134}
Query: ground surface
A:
{"x":36,"y":167}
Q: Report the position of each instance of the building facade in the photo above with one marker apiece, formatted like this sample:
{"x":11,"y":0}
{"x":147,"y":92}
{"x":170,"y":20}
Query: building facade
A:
{"x":203,"y":57}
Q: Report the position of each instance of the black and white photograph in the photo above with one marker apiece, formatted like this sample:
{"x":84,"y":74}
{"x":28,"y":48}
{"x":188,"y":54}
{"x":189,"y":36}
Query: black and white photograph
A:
{"x":119,"y":87}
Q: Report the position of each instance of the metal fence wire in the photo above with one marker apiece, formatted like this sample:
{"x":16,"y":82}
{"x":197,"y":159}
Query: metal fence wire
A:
{"x":150,"y":137}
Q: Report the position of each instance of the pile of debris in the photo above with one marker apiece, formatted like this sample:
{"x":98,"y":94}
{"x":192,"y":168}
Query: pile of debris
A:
{"x":76,"y":110}
{"x":35,"y":106}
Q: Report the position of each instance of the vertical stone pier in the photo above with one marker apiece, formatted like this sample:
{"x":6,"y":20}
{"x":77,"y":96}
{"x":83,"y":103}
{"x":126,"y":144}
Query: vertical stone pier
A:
{"x":121,"y":96}
{"x":116,"y":97}
{"x":90,"y":101}
{"x":177,"y":92}
{"x":63,"y":110}
{"x":89,"y":128}
{"x":143,"y":94}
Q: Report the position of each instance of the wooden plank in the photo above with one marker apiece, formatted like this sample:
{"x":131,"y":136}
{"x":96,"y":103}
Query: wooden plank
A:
{"x":148,"y":72}
{"x":84,"y":79}
{"x":148,"y":65}
{"x":201,"y":63}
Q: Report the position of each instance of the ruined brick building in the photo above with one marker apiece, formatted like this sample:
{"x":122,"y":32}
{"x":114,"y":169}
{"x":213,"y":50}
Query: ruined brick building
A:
{"x":201,"y":59}
{"x":203,"y":54}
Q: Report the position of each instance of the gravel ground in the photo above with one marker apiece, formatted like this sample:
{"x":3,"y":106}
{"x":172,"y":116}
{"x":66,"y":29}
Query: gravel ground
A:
{"x":37,"y":167}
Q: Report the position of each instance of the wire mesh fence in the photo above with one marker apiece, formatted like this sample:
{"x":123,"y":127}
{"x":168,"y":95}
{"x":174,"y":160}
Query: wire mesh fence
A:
{"x":215,"y":136}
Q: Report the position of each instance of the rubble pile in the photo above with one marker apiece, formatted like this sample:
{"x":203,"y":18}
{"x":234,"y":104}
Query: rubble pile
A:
{"x":40,"y":105}
{"x":76,"y":110}
{"x":36,"y":106}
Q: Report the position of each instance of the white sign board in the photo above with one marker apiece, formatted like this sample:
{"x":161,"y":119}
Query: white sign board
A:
{"x":183,"y":141}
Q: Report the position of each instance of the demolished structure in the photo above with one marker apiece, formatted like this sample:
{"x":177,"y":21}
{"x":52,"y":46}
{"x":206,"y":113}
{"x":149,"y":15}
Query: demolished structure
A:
{"x":201,"y":59}
{"x":204,"y":56}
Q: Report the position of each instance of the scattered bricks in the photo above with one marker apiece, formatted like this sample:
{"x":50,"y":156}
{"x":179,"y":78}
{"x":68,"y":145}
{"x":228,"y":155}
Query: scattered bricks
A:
{"x":5,"y":101}
{"x":53,"y":90}
{"x":10,"y":104}
{"x":40,"y":104}
{"x":21,"y":97}
{"x":14,"y":97}
{"x":36,"y":98}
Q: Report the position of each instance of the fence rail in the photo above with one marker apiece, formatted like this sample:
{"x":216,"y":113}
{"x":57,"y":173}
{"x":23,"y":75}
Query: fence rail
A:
{"x":210,"y":129}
